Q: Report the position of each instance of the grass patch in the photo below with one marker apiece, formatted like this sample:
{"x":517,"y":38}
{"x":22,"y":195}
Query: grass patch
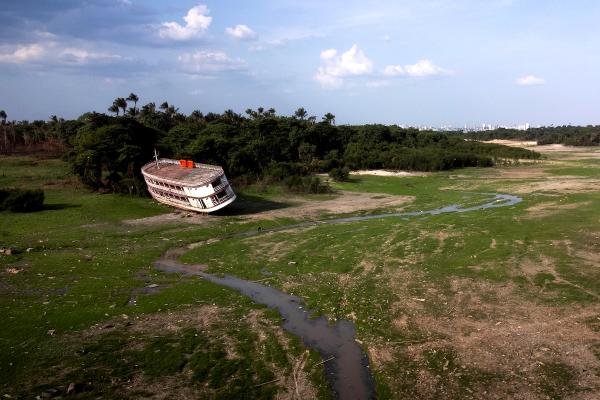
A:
{"x":78,"y":266}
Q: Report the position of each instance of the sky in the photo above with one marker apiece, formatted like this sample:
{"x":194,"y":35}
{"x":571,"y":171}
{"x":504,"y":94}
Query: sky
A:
{"x":410,"y":62}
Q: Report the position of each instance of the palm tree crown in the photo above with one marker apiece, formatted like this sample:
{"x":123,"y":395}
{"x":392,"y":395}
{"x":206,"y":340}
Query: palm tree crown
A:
{"x":133,"y":97}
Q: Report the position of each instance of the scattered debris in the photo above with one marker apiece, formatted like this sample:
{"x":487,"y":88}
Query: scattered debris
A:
{"x":12,"y":270}
{"x":266,"y":383}
{"x":324,"y":361}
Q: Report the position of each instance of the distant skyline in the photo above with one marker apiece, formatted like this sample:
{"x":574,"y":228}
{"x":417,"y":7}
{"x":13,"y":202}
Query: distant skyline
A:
{"x":417,"y":62}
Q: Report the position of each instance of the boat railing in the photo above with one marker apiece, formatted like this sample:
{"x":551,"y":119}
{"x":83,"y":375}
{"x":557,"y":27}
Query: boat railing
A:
{"x":169,"y":161}
{"x":216,"y":200}
{"x":221,"y":186}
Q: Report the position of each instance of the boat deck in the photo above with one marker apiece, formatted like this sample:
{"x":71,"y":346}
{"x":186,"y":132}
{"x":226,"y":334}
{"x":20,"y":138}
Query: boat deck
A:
{"x":200,"y":175}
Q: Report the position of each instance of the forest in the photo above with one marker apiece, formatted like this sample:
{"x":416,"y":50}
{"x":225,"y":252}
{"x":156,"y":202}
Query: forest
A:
{"x":107,"y":151}
{"x":567,"y":135}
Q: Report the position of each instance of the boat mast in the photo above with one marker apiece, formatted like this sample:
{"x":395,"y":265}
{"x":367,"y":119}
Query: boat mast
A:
{"x":156,"y":158}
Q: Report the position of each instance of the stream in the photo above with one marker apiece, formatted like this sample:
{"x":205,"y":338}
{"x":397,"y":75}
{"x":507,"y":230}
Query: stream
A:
{"x":346,"y":365}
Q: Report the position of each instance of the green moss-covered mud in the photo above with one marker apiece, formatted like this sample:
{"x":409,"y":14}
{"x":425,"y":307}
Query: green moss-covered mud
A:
{"x":499,"y":303}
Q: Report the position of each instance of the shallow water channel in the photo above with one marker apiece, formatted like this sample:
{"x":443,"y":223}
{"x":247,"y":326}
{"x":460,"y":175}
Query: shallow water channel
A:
{"x":346,"y":365}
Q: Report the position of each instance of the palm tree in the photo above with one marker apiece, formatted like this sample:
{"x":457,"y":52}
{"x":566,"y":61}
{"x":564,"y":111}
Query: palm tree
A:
{"x":172,"y":110}
{"x":121,"y":103}
{"x":3,"y":116}
{"x":300,"y":113}
{"x":149,"y":108}
{"x":270,"y":112}
{"x":230,"y":115}
{"x":251,"y":113}
{"x":164,"y":106}
{"x":114,"y":108}
{"x":133,"y":97}
{"x":329,"y":118}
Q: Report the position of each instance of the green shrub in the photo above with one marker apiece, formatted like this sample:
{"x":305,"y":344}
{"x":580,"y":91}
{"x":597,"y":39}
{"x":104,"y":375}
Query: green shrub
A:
{"x":18,"y":200}
{"x":306,"y":184}
{"x":339,"y":174}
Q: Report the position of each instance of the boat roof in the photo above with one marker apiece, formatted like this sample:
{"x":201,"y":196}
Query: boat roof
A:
{"x":170,"y":170}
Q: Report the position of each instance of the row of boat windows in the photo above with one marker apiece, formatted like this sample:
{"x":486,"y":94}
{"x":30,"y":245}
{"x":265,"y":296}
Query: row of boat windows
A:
{"x":158,"y":183}
{"x":168,"y":195}
{"x":214,"y":184}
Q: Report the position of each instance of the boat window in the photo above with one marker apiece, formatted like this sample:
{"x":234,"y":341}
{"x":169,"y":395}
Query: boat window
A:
{"x":216,"y":182}
{"x":221,"y":194}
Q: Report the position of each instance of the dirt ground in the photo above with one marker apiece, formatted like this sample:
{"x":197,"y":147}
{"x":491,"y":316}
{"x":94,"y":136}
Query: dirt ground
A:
{"x":343,"y":202}
{"x":545,"y":209}
{"x":382,"y":172}
{"x":566,"y":152}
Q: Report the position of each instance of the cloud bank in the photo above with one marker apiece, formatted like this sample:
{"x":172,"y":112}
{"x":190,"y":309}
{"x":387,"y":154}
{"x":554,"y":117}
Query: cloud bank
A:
{"x":55,"y":53}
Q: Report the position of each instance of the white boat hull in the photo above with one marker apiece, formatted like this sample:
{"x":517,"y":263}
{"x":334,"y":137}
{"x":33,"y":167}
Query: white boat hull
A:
{"x":201,"y":188}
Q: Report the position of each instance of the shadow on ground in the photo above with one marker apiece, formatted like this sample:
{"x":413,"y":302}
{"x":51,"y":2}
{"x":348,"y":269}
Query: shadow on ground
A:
{"x":247,"y":205}
{"x":60,"y":206}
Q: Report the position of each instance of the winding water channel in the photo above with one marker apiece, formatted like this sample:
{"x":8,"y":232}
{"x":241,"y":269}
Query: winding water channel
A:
{"x":348,"y":371}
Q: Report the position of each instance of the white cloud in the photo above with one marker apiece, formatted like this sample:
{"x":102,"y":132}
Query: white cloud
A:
{"x":328,"y":81}
{"x":328,"y":54}
{"x":71,"y":55}
{"x":393,"y":70}
{"x":242,"y":32}
{"x":530,"y":80}
{"x":422,"y":68}
{"x":56,"y":53}
{"x":209,"y":62}
{"x":23,"y":54}
{"x":196,"y":20}
{"x":350,"y":63}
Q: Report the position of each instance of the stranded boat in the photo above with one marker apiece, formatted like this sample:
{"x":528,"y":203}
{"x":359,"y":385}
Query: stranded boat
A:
{"x":188,"y":185}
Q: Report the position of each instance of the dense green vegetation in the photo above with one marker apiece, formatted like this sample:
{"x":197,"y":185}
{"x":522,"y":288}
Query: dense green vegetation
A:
{"x":19,"y":200}
{"x":567,"y":135}
{"x":107,"y":152}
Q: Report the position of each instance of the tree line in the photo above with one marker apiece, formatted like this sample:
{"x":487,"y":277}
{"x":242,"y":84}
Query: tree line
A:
{"x":107,"y":151}
{"x":567,"y":135}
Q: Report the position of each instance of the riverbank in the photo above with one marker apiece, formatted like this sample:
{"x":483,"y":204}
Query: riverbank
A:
{"x":499,"y":302}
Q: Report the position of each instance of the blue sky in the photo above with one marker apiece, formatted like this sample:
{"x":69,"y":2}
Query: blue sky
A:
{"x":413,"y":62}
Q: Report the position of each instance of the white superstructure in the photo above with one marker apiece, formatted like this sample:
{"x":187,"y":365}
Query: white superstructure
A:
{"x":188,"y":185}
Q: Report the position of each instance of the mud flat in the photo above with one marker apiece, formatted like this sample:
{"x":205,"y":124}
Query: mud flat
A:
{"x":346,"y":365}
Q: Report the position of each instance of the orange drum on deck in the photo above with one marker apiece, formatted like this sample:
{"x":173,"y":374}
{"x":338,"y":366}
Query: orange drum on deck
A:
{"x":190,"y":164}
{"x":182,"y":163}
